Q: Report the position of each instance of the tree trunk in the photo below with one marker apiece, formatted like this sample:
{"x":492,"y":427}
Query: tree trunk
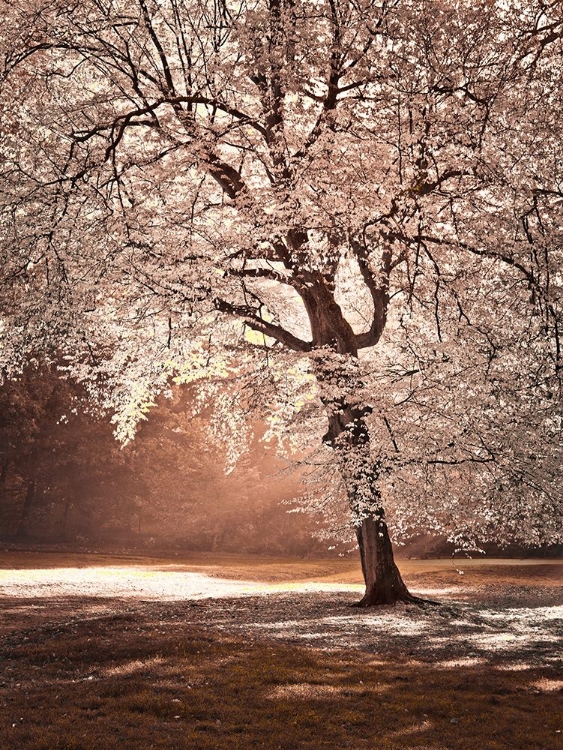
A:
{"x":348,"y":435}
{"x":63,"y":536}
{"x":384,"y":584}
{"x":21,"y":531}
{"x":3,"y":480}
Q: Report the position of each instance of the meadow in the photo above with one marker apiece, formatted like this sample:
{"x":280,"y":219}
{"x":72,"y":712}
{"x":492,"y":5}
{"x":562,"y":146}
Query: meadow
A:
{"x":204,"y":652}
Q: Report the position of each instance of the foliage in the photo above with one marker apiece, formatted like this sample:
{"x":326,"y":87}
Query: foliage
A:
{"x":63,"y":474}
{"x":372,"y":188}
{"x":165,"y":490}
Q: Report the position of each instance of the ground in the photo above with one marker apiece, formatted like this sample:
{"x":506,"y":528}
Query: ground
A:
{"x":232,"y":652}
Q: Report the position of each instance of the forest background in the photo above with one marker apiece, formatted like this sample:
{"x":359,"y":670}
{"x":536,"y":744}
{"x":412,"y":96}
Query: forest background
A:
{"x":66,"y":482}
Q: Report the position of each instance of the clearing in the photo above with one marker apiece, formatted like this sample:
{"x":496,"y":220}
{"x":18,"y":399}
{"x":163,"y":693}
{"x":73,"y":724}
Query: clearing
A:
{"x":211,"y":651}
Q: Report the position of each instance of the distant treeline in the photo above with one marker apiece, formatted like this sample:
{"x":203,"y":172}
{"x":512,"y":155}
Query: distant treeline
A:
{"x":65,"y":479}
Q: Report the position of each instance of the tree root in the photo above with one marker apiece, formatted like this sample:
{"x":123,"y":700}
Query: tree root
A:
{"x":377,"y":601}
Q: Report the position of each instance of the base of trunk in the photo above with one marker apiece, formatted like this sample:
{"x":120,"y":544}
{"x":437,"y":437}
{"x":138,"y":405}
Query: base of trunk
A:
{"x":384,"y":585}
{"x":379,"y":596}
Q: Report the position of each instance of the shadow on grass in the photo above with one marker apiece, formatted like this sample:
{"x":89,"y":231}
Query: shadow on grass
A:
{"x":492,"y":631}
{"x":97,"y":674}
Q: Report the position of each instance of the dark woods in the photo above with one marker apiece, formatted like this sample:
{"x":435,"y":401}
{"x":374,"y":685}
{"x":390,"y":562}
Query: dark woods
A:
{"x":65,"y":479}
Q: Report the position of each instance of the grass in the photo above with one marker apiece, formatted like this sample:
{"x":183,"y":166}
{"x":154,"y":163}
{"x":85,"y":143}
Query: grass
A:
{"x":240,"y":567}
{"x":124,"y":682}
{"x":135,"y":680}
{"x":283,"y":569}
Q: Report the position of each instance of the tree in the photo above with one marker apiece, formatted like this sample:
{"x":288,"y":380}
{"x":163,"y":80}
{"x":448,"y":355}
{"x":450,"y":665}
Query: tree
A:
{"x":63,"y":477}
{"x":372,"y":189}
{"x":21,"y":413}
{"x":63,"y":473}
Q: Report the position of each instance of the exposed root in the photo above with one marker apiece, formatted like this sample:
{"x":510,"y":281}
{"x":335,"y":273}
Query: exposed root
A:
{"x":373,"y":600}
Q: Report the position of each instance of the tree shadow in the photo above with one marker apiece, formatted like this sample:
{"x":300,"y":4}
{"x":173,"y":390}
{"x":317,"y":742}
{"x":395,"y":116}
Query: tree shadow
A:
{"x":238,"y":674}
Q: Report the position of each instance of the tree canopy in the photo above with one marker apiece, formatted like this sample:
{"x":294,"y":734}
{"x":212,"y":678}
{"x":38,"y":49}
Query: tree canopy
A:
{"x":350,"y":207}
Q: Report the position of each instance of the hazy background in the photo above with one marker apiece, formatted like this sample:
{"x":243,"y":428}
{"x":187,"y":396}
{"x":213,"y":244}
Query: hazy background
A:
{"x":65,"y":481}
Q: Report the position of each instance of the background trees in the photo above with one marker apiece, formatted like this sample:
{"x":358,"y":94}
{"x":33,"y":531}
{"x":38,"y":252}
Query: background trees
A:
{"x":372,"y":188}
{"x":65,"y":479}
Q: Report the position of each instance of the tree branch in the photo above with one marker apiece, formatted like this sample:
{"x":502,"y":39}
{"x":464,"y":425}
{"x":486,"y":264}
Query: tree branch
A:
{"x":378,"y":289}
{"x":249,"y":316}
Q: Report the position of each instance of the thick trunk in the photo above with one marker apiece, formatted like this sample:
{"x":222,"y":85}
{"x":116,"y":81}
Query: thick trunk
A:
{"x":63,"y":535}
{"x":348,"y":435}
{"x":384,"y":584}
{"x":343,"y":394}
{"x":3,"y":480}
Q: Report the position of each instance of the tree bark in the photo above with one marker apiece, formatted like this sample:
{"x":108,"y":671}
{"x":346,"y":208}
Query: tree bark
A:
{"x":63,"y":535}
{"x":3,"y":479}
{"x":384,"y":584}
{"x":348,"y":435}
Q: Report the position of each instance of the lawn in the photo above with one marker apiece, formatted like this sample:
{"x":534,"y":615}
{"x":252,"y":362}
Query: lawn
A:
{"x":106,"y":652}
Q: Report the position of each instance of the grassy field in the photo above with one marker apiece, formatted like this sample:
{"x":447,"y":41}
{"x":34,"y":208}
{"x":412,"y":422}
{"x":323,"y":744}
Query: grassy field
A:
{"x":279,"y":569}
{"x":84,"y":674}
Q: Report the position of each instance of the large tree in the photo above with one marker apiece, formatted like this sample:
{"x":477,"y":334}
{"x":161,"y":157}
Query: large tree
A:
{"x":372,"y":188}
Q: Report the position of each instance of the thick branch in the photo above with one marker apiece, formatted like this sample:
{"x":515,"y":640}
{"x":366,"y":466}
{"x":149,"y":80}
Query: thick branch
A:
{"x":250,"y":317}
{"x":229,"y":178}
{"x":260,"y":273}
{"x":379,"y":291}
